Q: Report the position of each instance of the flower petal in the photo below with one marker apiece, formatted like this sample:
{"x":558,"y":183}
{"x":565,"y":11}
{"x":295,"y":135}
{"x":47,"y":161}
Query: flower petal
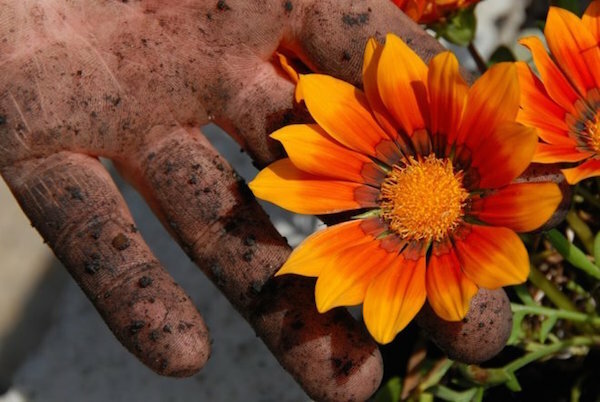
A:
{"x":346,"y":277}
{"x":309,"y":258}
{"x":557,"y":86}
{"x":494,"y":98}
{"x":402,"y":81}
{"x":493,"y":257}
{"x":287,"y":67}
{"x":342,"y":111}
{"x":283,"y":184}
{"x":371,"y":61}
{"x":545,"y":153}
{"x":539,"y":110}
{"x":590,"y":168}
{"x":394,"y":297}
{"x":574,"y":48}
{"x":310,"y":149}
{"x":449,"y":291}
{"x":522,"y":207}
{"x":447,"y":93}
{"x":504,"y":154}
{"x":591,"y":19}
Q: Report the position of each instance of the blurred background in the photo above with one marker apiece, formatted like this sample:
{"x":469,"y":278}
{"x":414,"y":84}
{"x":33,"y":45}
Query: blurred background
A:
{"x":53,"y":345}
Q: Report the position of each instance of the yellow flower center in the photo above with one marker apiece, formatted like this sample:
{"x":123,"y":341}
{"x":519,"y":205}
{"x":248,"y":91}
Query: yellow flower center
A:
{"x":423,"y":200}
{"x":592,"y":128}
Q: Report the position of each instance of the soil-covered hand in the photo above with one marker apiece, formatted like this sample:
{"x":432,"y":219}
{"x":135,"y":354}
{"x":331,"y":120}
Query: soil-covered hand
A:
{"x":132,"y":81}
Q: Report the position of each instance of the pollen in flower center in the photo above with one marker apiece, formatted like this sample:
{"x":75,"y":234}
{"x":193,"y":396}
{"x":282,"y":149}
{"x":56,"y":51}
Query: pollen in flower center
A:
{"x":424,"y":199}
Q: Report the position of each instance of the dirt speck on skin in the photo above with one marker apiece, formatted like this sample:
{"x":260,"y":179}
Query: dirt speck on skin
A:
{"x":75,"y":193}
{"x":250,"y":240}
{"x":288,"y":6}
{"x":93,"y":265}
{"x":2,"y":120}
{"x":248,"y":256}
{"x":145,"y":281}
{"x":354,"y":19}
{"x":121,"y":242}
{"x":222,"y":5}
{"x":136,"y":326}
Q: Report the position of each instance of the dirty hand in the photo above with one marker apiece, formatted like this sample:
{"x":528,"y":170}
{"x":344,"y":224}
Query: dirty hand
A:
{"x":133,"y":81}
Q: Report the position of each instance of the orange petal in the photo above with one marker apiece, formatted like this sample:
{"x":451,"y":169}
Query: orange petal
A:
{"x":574,"y":48}
{"x":493,"y":257}
{"x":342,"y":110}
{"x":522,"y":207}
{"x":309,"y":258}
{"x":591,"y":19}
{"x":545,"y":153}
{"x":287,"y":67}
{"x":557,"y":86}
{"x":394,"y":297}
{"x":505,"y":154}
{"x":283,"y":184}
{"x":371,"y":61}
{"x":590,"y":168}
{"x":447,"y":93}
{"x":348,"y":274}
{"x":494,"y":98}
{"x":402,"y":84}
{"x":310,"y":149}
{"x":539,"y":110}
{"x":449,"y":291}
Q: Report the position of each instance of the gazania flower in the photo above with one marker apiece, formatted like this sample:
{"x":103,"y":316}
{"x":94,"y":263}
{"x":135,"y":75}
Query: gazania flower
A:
{"x":565,"y":105}
{"x":428,"y":162}
{"x":428,"y":11}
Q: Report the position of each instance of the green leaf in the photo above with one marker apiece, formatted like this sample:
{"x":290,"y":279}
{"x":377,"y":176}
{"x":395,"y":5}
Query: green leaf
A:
{"x":546,"y":327}
{"x":447,"y":394}
{"x":502,"y":53}
{"x":517,"y":331}
{"x":512,"y":383}
{"x":391,"y":391}
{"x":459,"y":28}
{"x":572,"y":253}
{"x":478,"y":397}
{"x":523,"y":295}
{"x":597,"y":249}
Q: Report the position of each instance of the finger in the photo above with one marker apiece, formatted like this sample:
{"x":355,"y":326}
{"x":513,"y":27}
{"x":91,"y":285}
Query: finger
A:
{"x":481,"y":335}
{"x":72,"y":201}
{"x":332,"y":35}
{"x":213,"y":215}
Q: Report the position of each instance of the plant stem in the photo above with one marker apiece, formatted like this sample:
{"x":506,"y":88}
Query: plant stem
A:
{"x":550,"y":349}
{"x":567,"y":315}
{"x":572,"y":253}
{"x":501,"y":375}
{"x":582,"y":230}
{"x":552,"y":292}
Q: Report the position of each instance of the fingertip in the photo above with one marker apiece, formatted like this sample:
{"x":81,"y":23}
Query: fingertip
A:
{"x":159,"y":324}
{"x":331,"y":356}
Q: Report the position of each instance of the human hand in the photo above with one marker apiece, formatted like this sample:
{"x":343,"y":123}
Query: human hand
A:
{"x":133,"y":81}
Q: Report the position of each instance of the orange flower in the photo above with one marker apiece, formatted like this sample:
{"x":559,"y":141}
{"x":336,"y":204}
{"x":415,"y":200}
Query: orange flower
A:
{"x":429,"y":163}
{"x":428,"y":11}
{"x":565,"y":105}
